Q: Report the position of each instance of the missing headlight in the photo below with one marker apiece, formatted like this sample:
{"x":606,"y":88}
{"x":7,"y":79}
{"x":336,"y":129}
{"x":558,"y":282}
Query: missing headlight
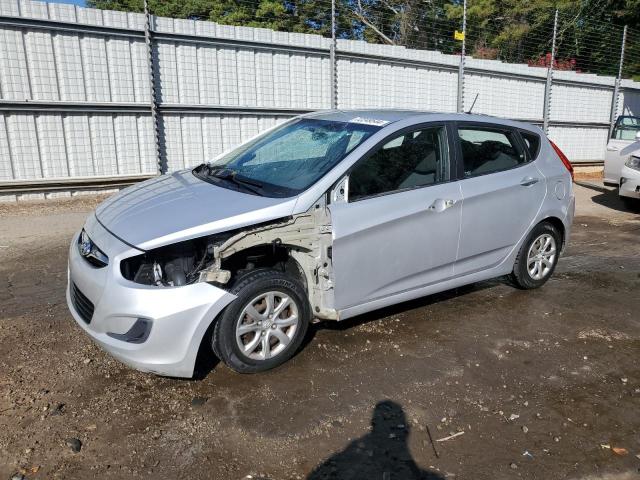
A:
{"x":173,"y":265}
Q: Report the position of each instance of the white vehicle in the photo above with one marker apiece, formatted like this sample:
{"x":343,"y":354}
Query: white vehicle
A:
{"x":630,"y":180}
{"x":621,"y":163}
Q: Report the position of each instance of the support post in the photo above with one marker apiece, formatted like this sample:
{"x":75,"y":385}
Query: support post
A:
{"x":616,"y":88}
{"x":148,"y":39}
{"x":460,"y":102}
{"x":549,"y":85}
{"x":332,"y":58}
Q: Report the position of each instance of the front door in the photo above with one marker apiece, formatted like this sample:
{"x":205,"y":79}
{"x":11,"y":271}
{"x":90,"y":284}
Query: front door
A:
{"x":399,"y":229}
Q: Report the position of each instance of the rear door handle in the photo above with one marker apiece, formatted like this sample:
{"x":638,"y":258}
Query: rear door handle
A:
{"x":528,"y":181}
{"x":440,"y":205}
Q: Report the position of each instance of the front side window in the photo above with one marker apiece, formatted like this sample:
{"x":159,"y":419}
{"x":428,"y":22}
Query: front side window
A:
{"x":288,"y":159}
{"x":488,"y":150}
{"x":413,"y":159}
{"x":626,"y":128}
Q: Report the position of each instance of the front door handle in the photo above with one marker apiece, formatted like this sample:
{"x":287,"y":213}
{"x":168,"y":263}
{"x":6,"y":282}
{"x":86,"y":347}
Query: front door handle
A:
{"x":528,"y":181}
{"x":440,"y":205}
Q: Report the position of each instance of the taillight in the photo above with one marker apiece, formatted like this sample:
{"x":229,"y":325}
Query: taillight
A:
{"x":564,"y":159}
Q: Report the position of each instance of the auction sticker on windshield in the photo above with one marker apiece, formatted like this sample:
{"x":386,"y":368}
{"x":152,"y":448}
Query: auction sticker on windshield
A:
{"x":369,"y":121}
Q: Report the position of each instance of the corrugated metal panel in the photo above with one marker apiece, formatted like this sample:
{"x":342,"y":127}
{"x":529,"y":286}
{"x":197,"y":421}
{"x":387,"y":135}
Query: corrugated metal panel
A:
{"x":504,"y":97}
{"x":126,"y":135}
{"x":576,"y":104}
{"x":167,"y":80}
{"x":102,"y":144}
{"x":101,"y":67}
{"x":25,"y":151}
{"x":53,"y":151}
{"x":95,"y":66}
{"x":173,"y":141}
{"x":6,"y":160}
{"x":192,"y":140}
{"x":578,"y":144}
{"x":144,"y":127}
{"x":208,"y":75}
{"x":187,"y":71}
{"x":44,"y":80}
{"x":121,"y":78}
{"x":14,"y":76}
{"x":140,"y":71}
{"x":71,"y":75}
{"x":78,"y":144}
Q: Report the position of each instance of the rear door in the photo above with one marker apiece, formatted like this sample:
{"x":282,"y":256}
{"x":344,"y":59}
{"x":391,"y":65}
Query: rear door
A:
{"x":502,"y":192}
{"x":399,"y":229}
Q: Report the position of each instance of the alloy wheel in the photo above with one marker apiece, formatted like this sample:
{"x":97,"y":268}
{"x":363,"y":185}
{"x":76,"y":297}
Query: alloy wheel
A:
{"x":266,"y":326}
{"x":541,"y":256}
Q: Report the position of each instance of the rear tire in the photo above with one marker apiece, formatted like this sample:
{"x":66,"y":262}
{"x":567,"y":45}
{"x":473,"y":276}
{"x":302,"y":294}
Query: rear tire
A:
{"x":537,"y":258}
{"x":265,"y":325}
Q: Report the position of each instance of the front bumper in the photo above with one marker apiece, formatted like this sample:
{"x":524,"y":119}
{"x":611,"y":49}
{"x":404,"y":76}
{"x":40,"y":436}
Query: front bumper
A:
{"x":629,"y":182}
{"x":178,"y":316}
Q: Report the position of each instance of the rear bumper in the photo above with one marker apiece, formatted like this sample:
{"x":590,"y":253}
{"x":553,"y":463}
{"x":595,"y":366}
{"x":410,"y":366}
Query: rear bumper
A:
{"x":629,"y":183}
{"x":177,"y":317}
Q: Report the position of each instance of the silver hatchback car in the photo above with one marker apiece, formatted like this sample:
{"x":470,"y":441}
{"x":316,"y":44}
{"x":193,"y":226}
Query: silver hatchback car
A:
{"x":326,"y":216}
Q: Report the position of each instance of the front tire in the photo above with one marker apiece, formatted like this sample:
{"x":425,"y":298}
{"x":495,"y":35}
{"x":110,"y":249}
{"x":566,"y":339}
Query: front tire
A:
{"x":265,"y":325}
{"x":537,"y":258}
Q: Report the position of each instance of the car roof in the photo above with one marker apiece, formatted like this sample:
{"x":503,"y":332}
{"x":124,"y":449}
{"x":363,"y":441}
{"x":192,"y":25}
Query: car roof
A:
{"x":388,"y":116}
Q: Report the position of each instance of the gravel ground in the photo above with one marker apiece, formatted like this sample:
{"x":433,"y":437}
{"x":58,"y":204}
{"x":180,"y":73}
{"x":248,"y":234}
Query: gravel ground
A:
{"x":538,"y":384}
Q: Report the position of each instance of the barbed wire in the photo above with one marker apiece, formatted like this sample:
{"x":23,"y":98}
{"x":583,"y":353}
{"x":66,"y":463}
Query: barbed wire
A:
{"x":584,"y":44}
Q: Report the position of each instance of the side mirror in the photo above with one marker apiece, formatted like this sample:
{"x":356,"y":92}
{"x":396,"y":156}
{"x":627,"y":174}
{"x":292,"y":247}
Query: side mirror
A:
{"x":638,"y":136}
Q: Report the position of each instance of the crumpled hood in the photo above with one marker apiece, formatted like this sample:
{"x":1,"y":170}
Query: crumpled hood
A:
{"x":180,"y":206}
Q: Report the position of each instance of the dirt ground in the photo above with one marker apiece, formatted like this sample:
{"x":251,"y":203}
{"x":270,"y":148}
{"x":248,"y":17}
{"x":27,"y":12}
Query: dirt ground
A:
{"x":541,"y":384}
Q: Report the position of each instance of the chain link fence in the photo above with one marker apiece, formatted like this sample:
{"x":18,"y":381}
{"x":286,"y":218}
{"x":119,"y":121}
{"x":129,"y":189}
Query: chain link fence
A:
{"x":92,"y":97}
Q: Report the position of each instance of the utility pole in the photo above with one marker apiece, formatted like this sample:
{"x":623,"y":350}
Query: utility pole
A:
{"x":148,"y":40}
{"x":547,"y":91}
{"x":332,"y":58}
{"x":460,"y":102}
{"x":616,"y":89}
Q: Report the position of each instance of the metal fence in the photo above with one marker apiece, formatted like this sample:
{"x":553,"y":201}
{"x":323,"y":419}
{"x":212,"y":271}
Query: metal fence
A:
{"x":91,"y":97}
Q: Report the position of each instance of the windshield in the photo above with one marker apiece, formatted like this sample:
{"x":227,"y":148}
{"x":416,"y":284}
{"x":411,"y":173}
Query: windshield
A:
{"x":626,"y":128}
{"x":288,"y":159}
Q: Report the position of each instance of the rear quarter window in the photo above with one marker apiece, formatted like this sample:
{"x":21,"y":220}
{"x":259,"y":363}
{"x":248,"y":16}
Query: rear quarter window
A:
{"x":532,"y":141}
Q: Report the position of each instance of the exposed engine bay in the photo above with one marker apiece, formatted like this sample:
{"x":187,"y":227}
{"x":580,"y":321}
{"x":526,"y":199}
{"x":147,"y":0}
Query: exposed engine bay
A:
{"x":299,"y":245}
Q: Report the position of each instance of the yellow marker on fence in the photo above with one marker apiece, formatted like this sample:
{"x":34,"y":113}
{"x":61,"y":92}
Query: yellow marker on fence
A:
{"x":458,"y":35}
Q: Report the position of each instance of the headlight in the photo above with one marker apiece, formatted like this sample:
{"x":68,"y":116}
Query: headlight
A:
{"x":91,"y":252}
{"x":633,"y":162}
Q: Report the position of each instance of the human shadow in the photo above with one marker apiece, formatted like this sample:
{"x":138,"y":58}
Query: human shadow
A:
{"x":382,"y":453}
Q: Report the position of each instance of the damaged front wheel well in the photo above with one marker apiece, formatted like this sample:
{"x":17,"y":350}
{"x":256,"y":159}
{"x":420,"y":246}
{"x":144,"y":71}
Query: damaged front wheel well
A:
{"x":274,"y":256}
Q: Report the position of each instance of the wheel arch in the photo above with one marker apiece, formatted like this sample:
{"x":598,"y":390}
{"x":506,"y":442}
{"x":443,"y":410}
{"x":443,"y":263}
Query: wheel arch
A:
{"x":559,"y":225}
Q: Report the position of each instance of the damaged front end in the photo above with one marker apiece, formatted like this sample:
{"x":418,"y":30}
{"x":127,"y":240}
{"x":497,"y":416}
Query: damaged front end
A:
{"x":299,"y":245}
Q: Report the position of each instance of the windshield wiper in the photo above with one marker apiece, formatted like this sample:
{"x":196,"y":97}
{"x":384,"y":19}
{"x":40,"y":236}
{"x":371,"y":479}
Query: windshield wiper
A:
{"x":232,"y":176}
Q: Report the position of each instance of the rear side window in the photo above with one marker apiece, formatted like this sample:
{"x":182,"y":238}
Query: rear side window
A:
{"x":532,"y":141}
{"x":489,"y":150}
{"x":412,"y":159}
